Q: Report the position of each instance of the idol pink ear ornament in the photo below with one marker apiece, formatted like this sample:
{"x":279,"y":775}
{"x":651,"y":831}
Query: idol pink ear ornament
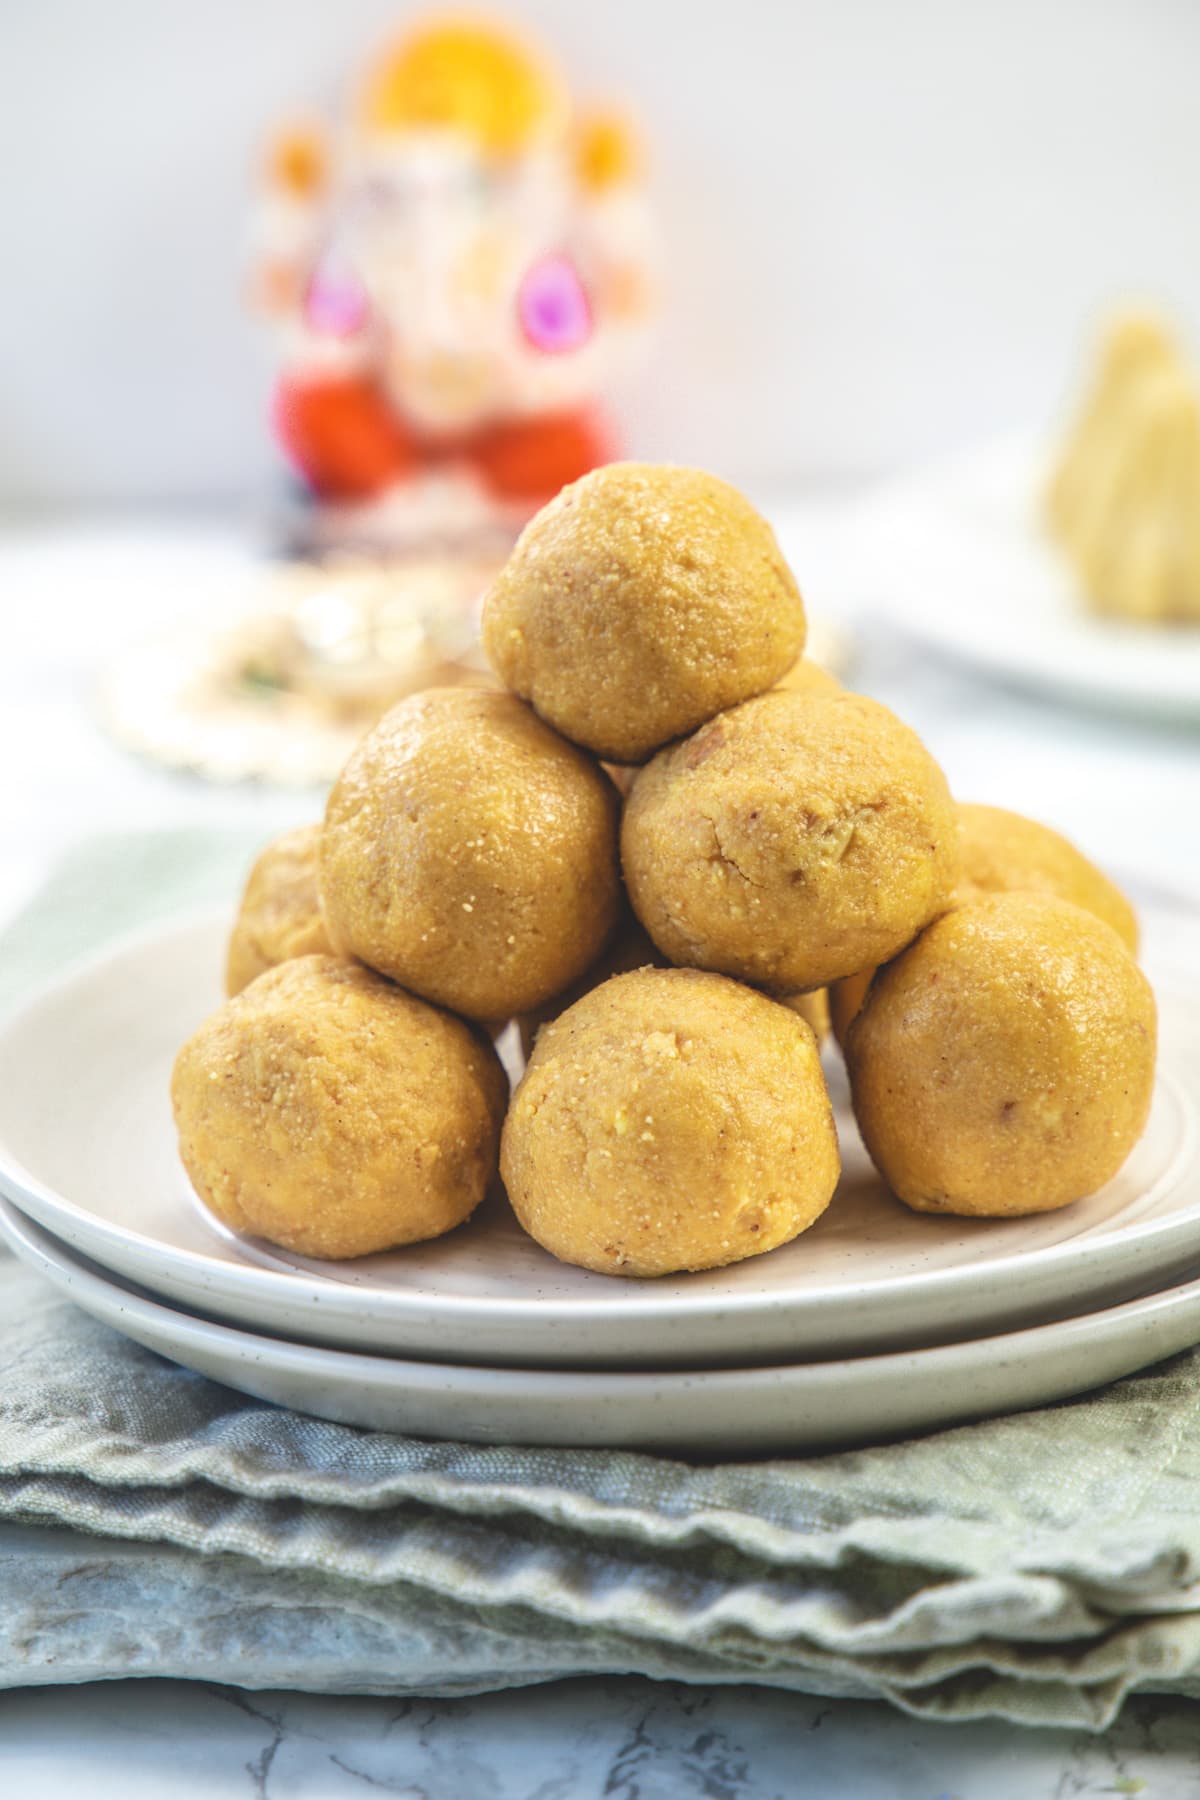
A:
{"x":457,"y":271}
{"x":553,"y":306}
{"x":335,"y":302}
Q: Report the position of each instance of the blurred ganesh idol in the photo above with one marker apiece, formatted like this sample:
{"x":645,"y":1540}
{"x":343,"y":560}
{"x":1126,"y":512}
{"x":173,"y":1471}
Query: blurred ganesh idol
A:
{"x":457,"y":273}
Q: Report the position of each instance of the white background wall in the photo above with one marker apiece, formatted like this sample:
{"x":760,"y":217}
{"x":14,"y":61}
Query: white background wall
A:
{"x":889,"y":220}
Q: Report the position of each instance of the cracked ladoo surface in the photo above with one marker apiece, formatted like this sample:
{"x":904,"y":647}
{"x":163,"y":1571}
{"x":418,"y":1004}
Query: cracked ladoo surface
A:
{"x":641,"y":601}
{"x":328,"y":1111}
{"x":470,"y":853}
{"x":670,"y":1120}
{"x":790,"y":841}
{"x":1005,"y":1063}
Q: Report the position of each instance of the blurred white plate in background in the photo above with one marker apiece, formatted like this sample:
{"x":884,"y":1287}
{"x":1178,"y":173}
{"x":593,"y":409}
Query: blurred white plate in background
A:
{"x":957,"y":557}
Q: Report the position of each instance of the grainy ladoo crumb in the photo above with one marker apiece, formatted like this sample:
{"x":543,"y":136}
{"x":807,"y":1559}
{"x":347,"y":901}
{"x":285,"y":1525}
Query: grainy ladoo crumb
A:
{"x":1002,"y":852}
{"x":640,"y":602}
{"x":328,"y":1111}
{"x":470,"y":853}
{"x":1005,"y":1063}
{"x":280,"y":914}
{"x":629,"y":949}
{"x":790,"y":841}
{"x":670,"y":1120}
{"x":808,"y":677}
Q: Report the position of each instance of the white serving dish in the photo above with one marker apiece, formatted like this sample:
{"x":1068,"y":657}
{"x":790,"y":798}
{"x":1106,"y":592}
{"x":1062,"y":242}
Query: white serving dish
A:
{"x":721,"y":1413}
{"x":87,"y":1150}
{"x":958,"y":556}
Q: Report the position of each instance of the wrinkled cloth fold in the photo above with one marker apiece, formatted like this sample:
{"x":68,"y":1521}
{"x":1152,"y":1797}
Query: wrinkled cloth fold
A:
{"x":1037,"y":1567}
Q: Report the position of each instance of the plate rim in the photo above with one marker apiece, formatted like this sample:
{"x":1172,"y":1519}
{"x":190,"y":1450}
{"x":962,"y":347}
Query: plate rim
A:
{"x":998,"y":1349}
{"x":26,"y":1191}
{"x":1125,"y":684}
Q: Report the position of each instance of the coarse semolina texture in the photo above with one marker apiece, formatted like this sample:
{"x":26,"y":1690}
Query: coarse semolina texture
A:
{"x":1003,"y":852}
{"x":642,"y":600}
{"x":280,"y":914}
{"x":1005,"y":1063}
{"x":808,"y":677}
{"x":804,"y":677}
{"x":470,"y":853}
{"x":670,"y":1120}
{"x":790,"y":841}
{"x":330,"y":1112}
{"x":629,"y":948}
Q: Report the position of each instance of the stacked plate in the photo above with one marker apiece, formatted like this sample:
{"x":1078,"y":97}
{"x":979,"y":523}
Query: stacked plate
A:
{"x":876,"y":1323}
{"x":957,"y":556}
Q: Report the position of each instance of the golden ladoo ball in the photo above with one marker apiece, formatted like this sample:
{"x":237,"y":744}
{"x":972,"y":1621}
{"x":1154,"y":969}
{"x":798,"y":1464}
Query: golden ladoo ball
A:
{"x":784,"y":835}
{"x":638,"y":603}
{"x":629,"y":948}
{"x":845,"y":1001}
{"x":471,"y":854}
{"x":790,"y":841}
{"x":280,"y":914}
{"x":808,"y":677}
{"x":804,"y":677}
{"x":1005,"y":1063}
{"x":670,"y":1120}
{"x":329,"y":1112}
{"x":1002,"y":852}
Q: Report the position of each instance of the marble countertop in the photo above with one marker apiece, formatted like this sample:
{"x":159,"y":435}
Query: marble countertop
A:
{"x":1126,"y":792}
{"x":585,"y":1740}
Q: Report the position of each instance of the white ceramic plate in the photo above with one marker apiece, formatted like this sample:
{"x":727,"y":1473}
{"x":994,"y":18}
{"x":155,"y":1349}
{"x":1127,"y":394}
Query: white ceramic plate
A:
{"x":958,"y":556}
{"x":87,"y":1149}
{"x":714,"y":1412}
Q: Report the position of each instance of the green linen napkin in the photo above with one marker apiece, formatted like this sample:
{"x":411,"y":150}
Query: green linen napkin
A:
{"x":1038,"y":1567}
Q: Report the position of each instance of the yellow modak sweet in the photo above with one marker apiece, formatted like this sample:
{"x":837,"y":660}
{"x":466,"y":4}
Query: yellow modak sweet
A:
{"x":1124,"y":499}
